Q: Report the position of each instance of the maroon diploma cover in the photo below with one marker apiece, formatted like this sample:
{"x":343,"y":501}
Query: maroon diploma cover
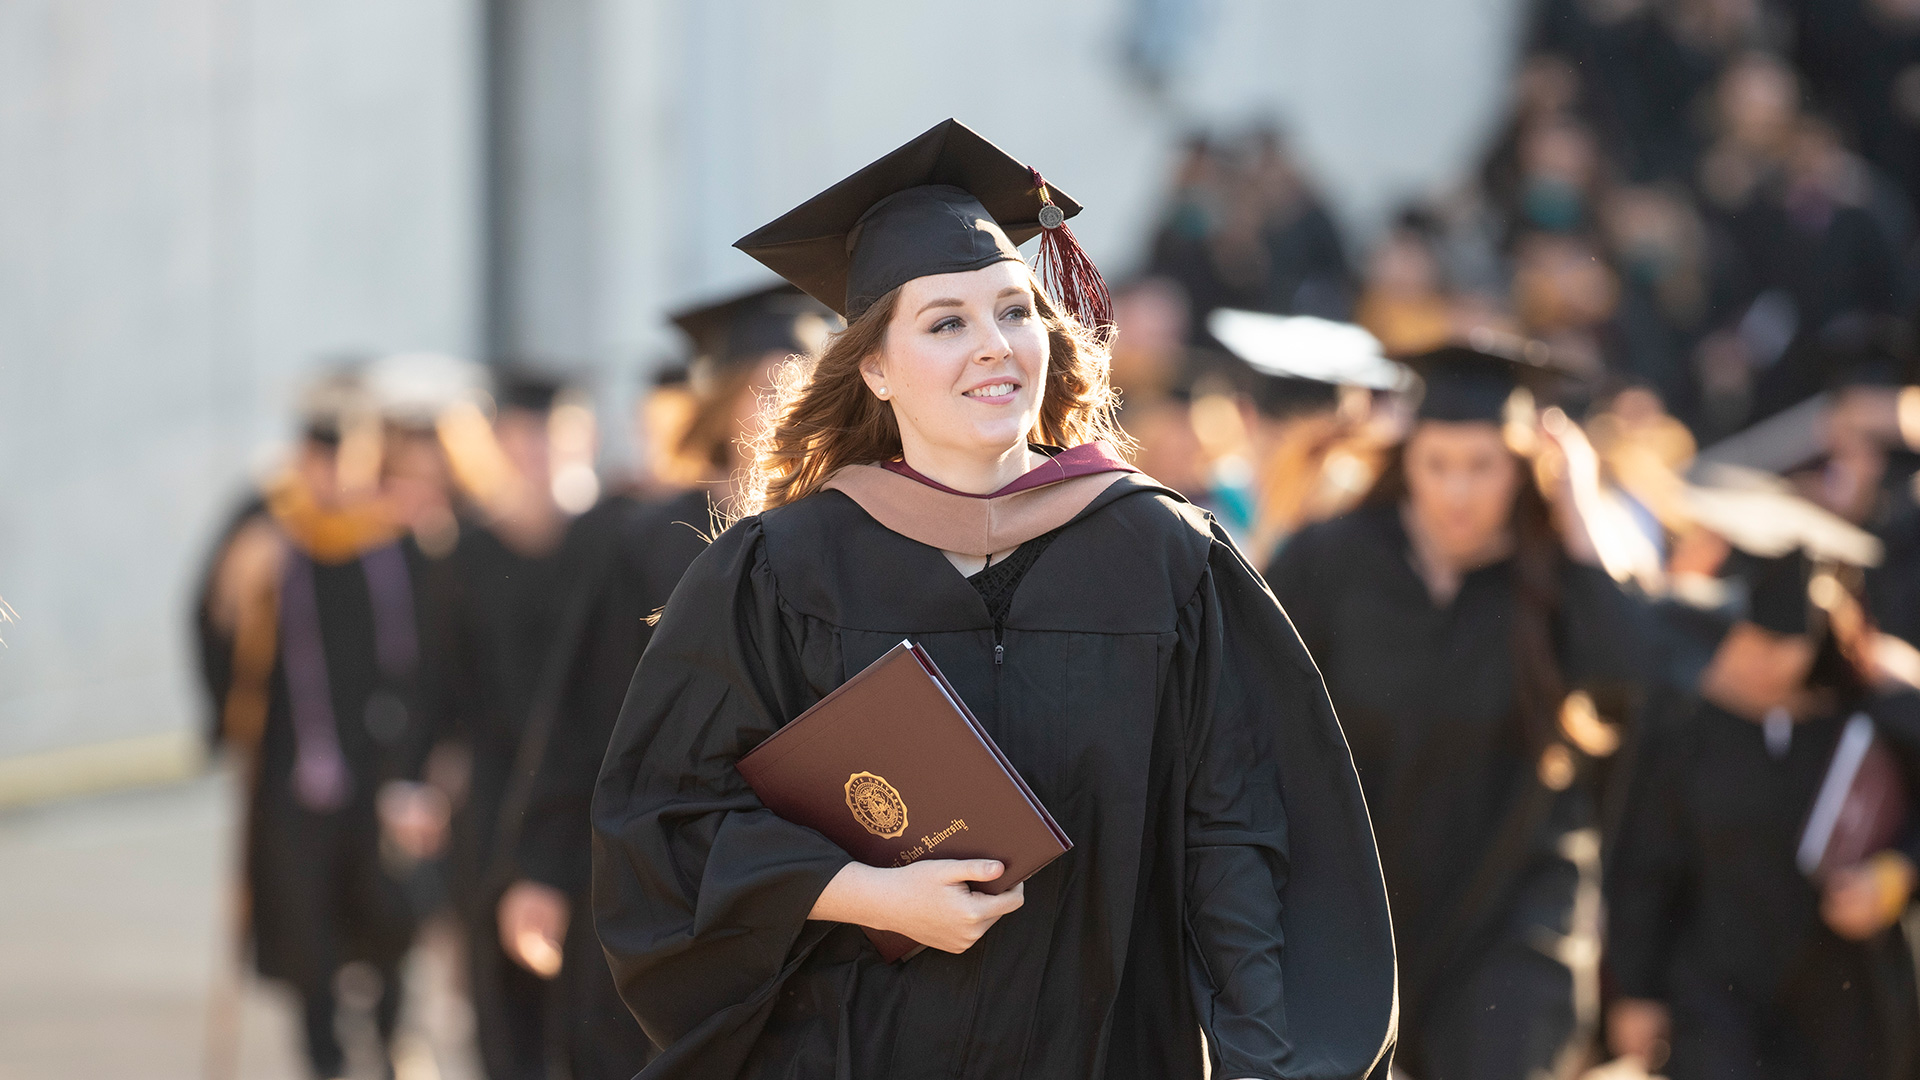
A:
{"x":893,"y":767}
{"x":1862,"y":805}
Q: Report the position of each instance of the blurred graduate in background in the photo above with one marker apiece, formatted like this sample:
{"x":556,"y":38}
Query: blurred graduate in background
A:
{"x":652,"y":535}
{"x":311,"y":633}
{"x":496,"y":603}
{"x":1738,"y":947}
{"x":1465,"y":630}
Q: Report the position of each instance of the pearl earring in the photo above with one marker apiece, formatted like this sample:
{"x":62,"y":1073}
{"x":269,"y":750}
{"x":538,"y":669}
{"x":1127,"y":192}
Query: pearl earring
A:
{"x":882,"y":392}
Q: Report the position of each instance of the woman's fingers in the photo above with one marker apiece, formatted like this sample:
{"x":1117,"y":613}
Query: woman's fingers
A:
{"x":1010,"y":901}
{"x":974,"y":869}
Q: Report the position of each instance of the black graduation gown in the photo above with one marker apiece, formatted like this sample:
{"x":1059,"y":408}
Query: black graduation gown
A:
{"x":650,"y":545}
{"x":1153,"y":695}
{"x":1893,"y":587}
{"x":1426,"y":695}
{"x":1708,"y":912}
{"x":496,"y":614}
{"x":320,"y":893}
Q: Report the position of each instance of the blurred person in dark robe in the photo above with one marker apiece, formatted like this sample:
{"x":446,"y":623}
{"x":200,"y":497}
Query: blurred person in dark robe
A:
{"x":312,"y":610}
{"x":496,"y":605}
{"x":1861,"y":60}
{"x":1307,"y":271}
{"x":1320,"y":409}
{"x":651,"y":539}
{"x":1153,"y":372}
{"x":1246,"y":230}
{"x":1545,"y":90}
{"x":1404,"y":300}
{"x":1466,"y":630}
{"x":1564,"y":294}
{"x":1562,"y":179}
{"x":1657,"y":244}
{"x":1732,"y":958}
{"x":1179,"y":249}
{"x":1793,"y":245}
{"x":1867,"y":468}
{"x":1645,"y":67}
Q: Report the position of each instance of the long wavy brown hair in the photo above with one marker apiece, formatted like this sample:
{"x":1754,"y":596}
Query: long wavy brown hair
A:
{"x":1539,"y":683}
{"x":822,"y":416}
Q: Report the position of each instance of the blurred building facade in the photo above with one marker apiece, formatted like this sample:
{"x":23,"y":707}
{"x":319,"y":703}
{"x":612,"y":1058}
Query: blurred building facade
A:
{"x":202,"y":200}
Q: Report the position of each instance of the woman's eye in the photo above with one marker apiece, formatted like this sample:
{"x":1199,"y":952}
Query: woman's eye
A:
{"x":949,"y":323}
{"x":1017,"y":313}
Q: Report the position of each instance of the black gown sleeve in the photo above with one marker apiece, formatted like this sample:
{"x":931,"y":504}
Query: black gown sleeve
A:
{"x":1284,"y":898}
{"x":444,"y":691}
{"x":1295,"y":575}
{"x":1896,"y":715}
{"x":649,"y":550}
{"x":599,"y":655}
{"x":1648,"y":883}
{"x":700,"y":893}
{"x":1604,"y":630}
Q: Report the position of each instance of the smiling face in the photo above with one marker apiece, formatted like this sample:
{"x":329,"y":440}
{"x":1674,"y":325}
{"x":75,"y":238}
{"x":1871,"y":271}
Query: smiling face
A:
{"x":964,"y":364}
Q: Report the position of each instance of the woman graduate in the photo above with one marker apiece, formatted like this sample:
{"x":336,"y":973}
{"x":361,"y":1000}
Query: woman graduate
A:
{"x":938,"y":473}
{"x":1731,"y":940}
{"x":1451,"y":615}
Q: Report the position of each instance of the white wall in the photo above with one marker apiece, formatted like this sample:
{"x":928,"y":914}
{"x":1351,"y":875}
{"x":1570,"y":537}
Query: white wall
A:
{"x":196,"y":197}
{"x":200,"y":197}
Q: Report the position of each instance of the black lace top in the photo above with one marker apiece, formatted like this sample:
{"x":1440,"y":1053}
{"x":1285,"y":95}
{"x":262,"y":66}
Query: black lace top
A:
{"x":997,"y":581}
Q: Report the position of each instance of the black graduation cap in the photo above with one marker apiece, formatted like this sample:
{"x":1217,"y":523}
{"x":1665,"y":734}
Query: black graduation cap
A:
{"x":669,"y":374}
{"x":1475,"y":380}
{"x":529,"y":388}
{"x":946,"y":202}
{"x":746,"y":326}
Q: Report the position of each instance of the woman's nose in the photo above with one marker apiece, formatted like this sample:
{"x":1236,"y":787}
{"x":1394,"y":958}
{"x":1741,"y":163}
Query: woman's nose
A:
{"x":993,"y":345}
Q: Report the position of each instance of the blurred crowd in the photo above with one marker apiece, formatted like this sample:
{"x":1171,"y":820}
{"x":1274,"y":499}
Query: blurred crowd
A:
{"x":1697,"y":216}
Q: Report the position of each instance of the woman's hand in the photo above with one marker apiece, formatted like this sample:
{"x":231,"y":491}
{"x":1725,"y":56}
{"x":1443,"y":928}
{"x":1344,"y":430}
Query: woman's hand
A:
{"x":1860,"y":901}
{"x":928,"y":901}
{"x":1639,"y":1028}
{"x":1574,"y":490}
{"x":533,"y":926}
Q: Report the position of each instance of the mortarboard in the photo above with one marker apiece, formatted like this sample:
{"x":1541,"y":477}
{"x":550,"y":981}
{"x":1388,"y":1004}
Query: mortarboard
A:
{"x":946,"y":202}
{"x":1763,"y":516}
{"x":527,"y":388}
{"x":413,"y":389}
{"x":1306,"y":347}
{"x":1475,"y":381}
{"x":747,"y":326}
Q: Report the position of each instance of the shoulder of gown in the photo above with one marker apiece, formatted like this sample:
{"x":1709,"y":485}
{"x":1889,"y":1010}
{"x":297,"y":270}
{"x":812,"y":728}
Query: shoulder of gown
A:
{"x":832,"y":561}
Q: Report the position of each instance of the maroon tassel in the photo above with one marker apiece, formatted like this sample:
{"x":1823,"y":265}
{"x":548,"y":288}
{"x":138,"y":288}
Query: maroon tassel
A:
{"x":1065,"y":270}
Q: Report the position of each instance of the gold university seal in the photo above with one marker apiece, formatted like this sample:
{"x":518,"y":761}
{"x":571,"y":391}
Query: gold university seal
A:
{"x":876,"y":805}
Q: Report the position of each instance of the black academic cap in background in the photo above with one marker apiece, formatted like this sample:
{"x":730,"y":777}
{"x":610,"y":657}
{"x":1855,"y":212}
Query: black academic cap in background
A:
{"x":946,"y":202}
{"x":1474,"y":381}
{"x":534,"y":389}
{"x":744,"y":327}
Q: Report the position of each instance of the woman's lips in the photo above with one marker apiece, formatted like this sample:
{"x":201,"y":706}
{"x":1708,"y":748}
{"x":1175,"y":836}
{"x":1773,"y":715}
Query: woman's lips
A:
{"x":993,"y":393}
